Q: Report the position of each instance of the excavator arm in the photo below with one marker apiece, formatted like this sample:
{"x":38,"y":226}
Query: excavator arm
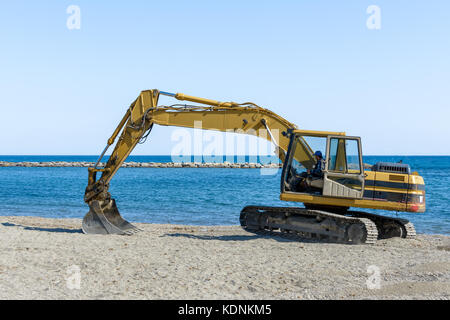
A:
{"x":144,"y":112}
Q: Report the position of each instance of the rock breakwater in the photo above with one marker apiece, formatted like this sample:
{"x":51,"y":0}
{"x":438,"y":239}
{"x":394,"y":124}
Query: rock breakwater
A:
{"x":142,"y":164}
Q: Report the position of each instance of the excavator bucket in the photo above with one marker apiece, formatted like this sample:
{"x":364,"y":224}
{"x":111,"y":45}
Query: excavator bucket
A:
{"x":104,"y":218}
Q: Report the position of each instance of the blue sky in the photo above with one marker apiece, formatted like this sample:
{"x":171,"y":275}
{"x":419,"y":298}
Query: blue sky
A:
{"x":313,"y":62}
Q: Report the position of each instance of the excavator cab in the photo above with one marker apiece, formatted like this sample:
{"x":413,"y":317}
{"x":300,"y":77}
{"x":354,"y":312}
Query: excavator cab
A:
{"x":343,"y":175}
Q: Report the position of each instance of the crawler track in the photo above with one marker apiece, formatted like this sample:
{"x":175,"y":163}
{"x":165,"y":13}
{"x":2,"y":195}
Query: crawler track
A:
{"x":307,"y":223}
{"x":388,"y":227}
{"x":353,"y":227}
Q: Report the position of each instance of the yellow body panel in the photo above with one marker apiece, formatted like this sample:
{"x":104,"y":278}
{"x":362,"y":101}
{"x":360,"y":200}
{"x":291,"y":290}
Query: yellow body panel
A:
{"x":381,"y":182}
{"x":335,"y":202}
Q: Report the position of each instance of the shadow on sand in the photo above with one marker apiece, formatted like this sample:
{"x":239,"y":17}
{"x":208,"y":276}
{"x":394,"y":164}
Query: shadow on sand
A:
{"x":279,"y":238}
{"x":59,"y":230}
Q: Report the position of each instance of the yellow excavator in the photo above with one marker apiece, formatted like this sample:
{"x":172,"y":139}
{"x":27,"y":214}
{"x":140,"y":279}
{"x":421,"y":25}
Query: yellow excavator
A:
{"x":322,"y":170}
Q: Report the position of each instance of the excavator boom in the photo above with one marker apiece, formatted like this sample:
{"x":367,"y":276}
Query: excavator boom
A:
{"x":144,"y":112}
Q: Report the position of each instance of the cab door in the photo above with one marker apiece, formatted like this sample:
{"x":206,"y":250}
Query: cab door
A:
{"x":344,"y":173}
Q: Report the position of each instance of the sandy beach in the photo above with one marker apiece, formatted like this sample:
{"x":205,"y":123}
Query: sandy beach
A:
{"x":51,"y":259}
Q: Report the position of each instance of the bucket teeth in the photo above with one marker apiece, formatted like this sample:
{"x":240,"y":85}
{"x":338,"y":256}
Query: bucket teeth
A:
{"x":104,"y":218}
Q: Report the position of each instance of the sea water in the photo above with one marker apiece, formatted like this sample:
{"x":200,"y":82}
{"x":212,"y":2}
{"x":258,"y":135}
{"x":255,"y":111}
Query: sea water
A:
{"x":192,"y":196}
